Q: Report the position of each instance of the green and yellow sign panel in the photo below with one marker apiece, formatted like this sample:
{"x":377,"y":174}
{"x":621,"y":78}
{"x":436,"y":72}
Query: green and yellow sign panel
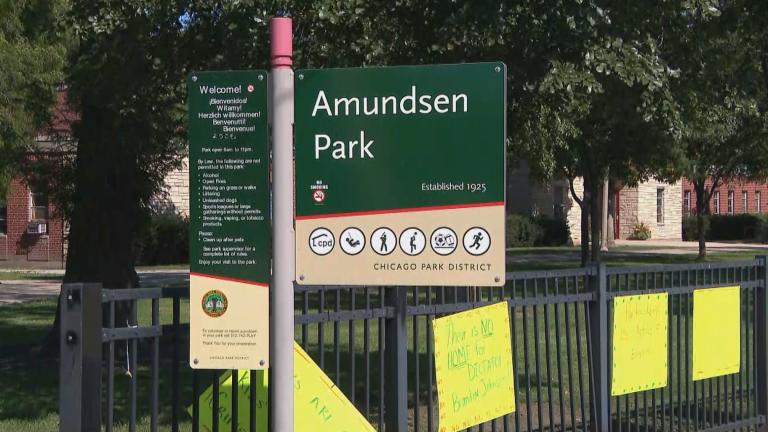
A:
{"x":716,"y":332}
{"x":400,"y":175}
{"x":229,"y":220}
{"x":473,"y":367}
{"x":639,"y":343}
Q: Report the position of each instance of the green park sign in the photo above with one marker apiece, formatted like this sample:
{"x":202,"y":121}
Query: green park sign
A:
{"x":230,"y":250}
{"x":400,"y":175}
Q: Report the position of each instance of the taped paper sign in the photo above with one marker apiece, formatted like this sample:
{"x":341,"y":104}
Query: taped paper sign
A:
{"x":318,"y":404}
{"x":243,"y":402}
{"x":473,"y":365}
{"x":639,"y":341}
{"x":716,"y":332}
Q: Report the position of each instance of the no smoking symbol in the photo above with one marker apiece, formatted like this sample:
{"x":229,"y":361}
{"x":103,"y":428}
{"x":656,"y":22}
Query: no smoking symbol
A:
{"x":318,"y":196}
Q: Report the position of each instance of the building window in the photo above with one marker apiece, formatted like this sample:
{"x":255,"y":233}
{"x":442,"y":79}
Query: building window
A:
{"x":39,"y":206}
{"x":687,"y":202}
{"x":731,"y":198}
{"x":3,"y":219}
{"x":717,"y":202}
{"x":758,"y":203}
{"x":745,"y":202}
{"x":660,"y":205}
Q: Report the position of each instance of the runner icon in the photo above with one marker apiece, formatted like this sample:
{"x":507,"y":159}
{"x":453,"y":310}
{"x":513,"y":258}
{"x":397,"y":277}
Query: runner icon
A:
{"x":477,"y":241}
{"x":383,"y":241}
{"x":412,"y":241}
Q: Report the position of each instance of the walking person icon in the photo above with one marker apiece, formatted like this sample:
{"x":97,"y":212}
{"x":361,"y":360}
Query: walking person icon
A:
{"x":413,"y":242}
{"x":383,"y":241}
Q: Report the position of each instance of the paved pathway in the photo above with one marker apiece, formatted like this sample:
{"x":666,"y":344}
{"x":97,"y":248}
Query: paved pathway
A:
{"x":20,"y":291}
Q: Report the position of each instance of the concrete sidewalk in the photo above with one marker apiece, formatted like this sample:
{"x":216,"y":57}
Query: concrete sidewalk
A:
{"x":21,"y":291}
{"x":687,"y":247}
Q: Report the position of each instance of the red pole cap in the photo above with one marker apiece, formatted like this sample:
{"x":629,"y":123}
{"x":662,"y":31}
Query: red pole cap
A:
{"x":281,"y":39}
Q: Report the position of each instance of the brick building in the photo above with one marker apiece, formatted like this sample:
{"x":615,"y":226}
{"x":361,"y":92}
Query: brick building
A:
{"x":728,"y":198}
{"x":652,"y":203}
{"x":30,"y":233}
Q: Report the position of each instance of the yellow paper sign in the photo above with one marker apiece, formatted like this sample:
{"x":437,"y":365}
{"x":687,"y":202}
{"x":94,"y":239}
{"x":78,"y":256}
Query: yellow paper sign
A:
{"x":716,"y":332}
{"x":243,"y":403}
{"x":473,"y":365}
{"x":318,"y":404}
{"x":639,"y":343}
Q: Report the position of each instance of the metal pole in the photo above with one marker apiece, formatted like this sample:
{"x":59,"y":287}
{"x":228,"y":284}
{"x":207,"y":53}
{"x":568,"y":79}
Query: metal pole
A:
{"x":396,"y":355}
{"x":80,"y":358}
{"x":284,"y":259}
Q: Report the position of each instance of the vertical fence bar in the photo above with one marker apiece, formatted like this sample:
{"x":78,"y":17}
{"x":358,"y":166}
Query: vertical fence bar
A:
{"x":598,"y":328}
{"x":111,"y":373}
{"x":155,"y":389}
{"x":396,"y":375}
{"x":175,"y":382}
{"x":761,"y":324}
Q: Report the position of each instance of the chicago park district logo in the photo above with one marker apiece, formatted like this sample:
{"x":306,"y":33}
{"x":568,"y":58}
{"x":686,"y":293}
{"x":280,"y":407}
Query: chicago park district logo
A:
{"x":214,"y":303}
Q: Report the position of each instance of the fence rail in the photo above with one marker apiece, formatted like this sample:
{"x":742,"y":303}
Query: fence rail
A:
{"x":376,"y":344}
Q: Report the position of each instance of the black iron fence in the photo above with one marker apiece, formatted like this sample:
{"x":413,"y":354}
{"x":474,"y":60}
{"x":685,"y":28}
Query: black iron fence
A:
{"x":376,"y":344}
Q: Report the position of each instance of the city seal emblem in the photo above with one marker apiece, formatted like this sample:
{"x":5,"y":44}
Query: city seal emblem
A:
{"x":214,"y":303}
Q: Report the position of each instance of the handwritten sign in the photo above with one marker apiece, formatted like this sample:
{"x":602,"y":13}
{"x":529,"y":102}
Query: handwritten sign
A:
{"x":318,"y":404}
{"x":473,"y":365}
{"x":243,"y":403}
{"x":716,"y":332}
{"x":639,"y":343}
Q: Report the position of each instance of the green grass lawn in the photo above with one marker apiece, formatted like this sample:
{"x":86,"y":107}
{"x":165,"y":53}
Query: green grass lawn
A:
{"x":30,"y":275}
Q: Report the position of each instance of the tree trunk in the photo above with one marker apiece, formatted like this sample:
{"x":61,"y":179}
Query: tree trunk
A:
{"x":106,"y":208}
{"x":596,"y":218}
{"x":702,"y":211}
{"x":585,"y":206}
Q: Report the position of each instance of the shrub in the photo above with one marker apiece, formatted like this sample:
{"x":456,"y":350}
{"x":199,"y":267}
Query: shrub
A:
{"x":526,"y":231}
{"x":555,"y":232}
{"x":164,"y":241}
{"x":522,"y":231}
{"x":641,"y":231}
{"x":744,"y":227}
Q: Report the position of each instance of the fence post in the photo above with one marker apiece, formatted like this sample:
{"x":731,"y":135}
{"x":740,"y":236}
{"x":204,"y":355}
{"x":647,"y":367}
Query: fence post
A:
{"x":396,"y":362}
{"x":598,"y":330}
{"x":761,"y":321}
{"x":80,"y":358}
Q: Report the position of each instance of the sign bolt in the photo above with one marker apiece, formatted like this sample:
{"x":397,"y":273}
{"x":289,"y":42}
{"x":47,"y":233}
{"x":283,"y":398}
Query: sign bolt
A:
{"x":301,"y":76}
{"x":195,"y":361}
{"x":497,"y":279}
{"x":194,"y":78}
{"x":301,"y":277}
{"x":498,"y":69}
{"x":261,"y":77}
{"x":261,"y":362}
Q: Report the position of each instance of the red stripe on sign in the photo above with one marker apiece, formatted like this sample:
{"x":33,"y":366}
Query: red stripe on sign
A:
{"x":403,"y":210}
{"x":261,"y":284}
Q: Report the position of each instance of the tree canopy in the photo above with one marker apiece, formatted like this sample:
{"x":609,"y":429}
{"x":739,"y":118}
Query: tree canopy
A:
{"x":32,"y":55}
